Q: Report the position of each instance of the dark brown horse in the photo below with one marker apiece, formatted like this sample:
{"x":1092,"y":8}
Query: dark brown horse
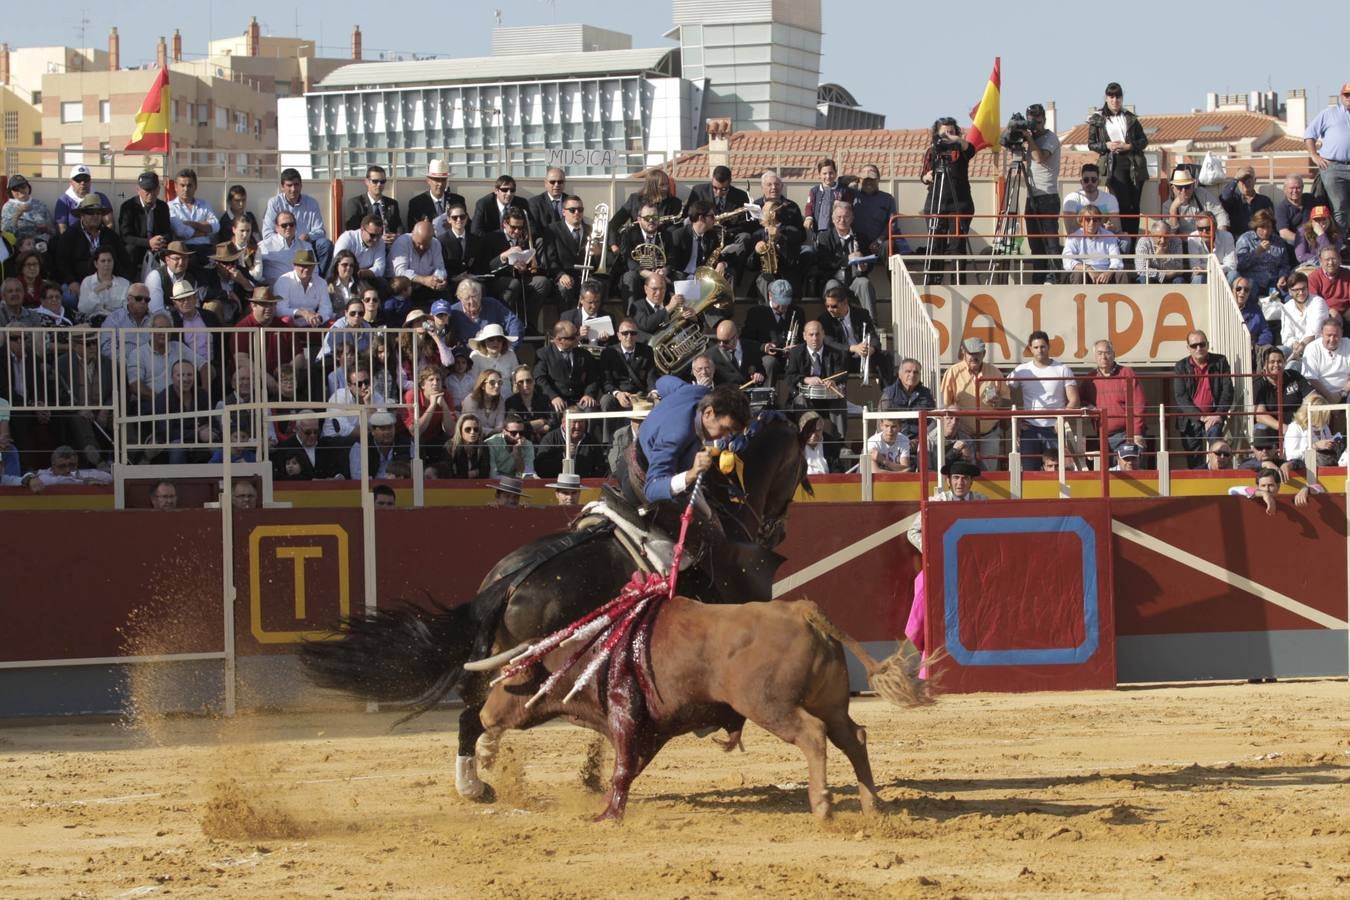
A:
{"x":411,"y":655}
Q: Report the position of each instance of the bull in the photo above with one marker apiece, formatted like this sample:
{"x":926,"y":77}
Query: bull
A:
{"x":779,"y":664}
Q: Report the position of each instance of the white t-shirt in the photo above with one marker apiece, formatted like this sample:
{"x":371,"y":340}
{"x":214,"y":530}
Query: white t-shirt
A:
{"x":1106,"y":202}
{"x":1330,"y":370}
{"x":891,"y":453}
{"x":1043,"y":388}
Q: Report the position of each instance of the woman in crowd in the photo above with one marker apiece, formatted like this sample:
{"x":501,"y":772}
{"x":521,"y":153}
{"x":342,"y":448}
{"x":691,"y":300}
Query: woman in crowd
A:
{"x":236,"y":207}
{"x":1319,"y":231}
{"x":485,"y":401}
{"x":1311,"y":427}
{"x":370,"y":305}
{"x":466,"y":456}
{"x":531,"y":405}
{"x":386,"y":375}
{"x":656,"y":190}
{"x":492,"y":349}
{"x":423,"y":345}
{"x":1262,"y":255}
{"x":102,"y":293}
{"x":28,"y":269}
{"x":342,"y":283}
{"x":460,"y":377}
{"x":1115,"y":135}
{"x":350,"y":329}
{"x":24,"y":216}
{"x":434,"y":420}
{"x":946,"y":171}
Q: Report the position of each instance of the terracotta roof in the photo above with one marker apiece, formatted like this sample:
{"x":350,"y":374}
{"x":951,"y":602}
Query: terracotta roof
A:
{"x":1203,"y":127}
{"x":898,"y":153}
{"x":1284,"y":144}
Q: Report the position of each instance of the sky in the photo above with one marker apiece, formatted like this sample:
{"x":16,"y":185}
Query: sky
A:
{"x":1055,"y":57}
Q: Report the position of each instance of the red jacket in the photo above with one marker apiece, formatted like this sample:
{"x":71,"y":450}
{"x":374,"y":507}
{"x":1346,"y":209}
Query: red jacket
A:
{"x":1121,"y":394}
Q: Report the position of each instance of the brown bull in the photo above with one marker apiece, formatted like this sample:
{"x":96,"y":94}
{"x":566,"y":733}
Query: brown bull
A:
{"x":779,"y":664}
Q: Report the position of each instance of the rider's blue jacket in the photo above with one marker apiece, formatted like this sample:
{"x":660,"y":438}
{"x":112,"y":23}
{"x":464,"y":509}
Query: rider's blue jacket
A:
{"x":668,"y":437}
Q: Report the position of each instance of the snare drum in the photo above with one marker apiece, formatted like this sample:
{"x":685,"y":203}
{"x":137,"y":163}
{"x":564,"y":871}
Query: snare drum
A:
{"x":823,"y":391}
{"x":760,"y":397}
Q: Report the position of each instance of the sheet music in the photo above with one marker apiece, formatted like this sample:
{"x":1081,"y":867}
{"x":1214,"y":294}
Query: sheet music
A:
{"x":515,"y":256}
{"x":690,"y":290}
{"x":598,"y":329}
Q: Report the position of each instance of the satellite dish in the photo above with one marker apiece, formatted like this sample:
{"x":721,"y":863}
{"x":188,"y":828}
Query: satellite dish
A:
{"x":220,"y":73}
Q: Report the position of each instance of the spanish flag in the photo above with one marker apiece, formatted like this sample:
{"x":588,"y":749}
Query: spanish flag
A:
{"x":152,"y":122}
{"x":984,"y":128}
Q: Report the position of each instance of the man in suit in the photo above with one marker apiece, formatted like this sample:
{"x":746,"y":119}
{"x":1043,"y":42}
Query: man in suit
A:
{"x":308,"y":455}
{"x":719,"y":193}
{"x":628,"y":370}
{"x":653,"y":311}
{"x":463,"y":250}
{"x":648,"y":232}
{"x":547,"y":208}
{"x":788,"y":242}
{"x":521,"y":286}
{"x":143,"y":222}
{"x":809,"y":364}
{"x":588,"y":307}
{"x":692,"y":246}
{"x":73,"y":255}
{"x":836,"y":250}
{"x":375,"y":204}
{"x":851,"y":331}
{"x":772,"y":329}
{"x":487,"y":212}
{"x":565,"y":243}
{"x":437,"y":199}
{"x":735,"y":361}
{"x":567,"y":375}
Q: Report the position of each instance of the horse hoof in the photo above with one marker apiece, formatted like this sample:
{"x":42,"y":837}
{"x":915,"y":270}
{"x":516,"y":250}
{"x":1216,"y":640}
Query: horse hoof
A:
{"x":486,"y":795}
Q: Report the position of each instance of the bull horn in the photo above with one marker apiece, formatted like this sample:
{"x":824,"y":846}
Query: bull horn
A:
{"x":495,"y":662}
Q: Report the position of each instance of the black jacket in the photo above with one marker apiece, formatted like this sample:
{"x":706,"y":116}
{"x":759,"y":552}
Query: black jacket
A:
{"x":735,"y":198}
{"x":632,"y":207}
{"x":486,"y":219}
{"x":1128,"y":166}
{"x":832,"y":255}
{"x":681,"y":244}
{"x":858,"y":318}
{"x":359,"y":207}
{"x":131,"y":227}
{"x":330,"y":459}
{"x":589,"y":458}
{"x":471,"y":258}
{"x":555,"y":378}
{"x":542,"y":213}
{"x":562,"y":253}
{"x":762,"y":326}
{"x":725,"y":370}
{"x":72,"y":260}
{"x":1183,"y":388}
{"x":636,"y":236}
{"x":636,"y":377}
{"x":422,"y":208}
{"x":799,"y":364}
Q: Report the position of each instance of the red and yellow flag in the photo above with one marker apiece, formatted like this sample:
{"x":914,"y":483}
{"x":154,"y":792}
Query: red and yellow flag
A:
{"x":985,"y":122}
{"x":152,"y":122}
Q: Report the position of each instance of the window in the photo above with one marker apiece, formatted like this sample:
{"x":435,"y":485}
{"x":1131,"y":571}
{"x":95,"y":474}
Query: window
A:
{"x":11,"y":127}
{"x":72,"y":154}
{"x":192,"y":113}
{"x":105,"y":111}
{"x":222,"y":118}
{"x":72,"y":111}
{"x":37,"y":98}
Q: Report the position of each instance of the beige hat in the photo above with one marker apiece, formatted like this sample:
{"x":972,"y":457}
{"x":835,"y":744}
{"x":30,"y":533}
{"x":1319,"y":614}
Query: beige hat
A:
{"x":492,"y":330}
{"x":304,"y":258}
{"x":1182,"y":177}
{"x":438,"y":168}
{"x":92,"y":203}
{"x":381,"y":419}
{"x":184,"y":289}
{"x":262,"y":294}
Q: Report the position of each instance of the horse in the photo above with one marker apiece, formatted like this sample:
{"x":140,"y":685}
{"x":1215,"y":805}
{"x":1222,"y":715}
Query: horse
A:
{"x":408,"y":654}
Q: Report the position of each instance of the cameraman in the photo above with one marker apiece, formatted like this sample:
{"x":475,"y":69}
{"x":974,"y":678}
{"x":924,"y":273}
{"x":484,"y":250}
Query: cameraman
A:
{"x":946,"y":171}
{"x":1040,"y":154}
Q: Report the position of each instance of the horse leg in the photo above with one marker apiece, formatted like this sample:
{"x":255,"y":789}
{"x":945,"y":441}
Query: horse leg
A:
{"x":851,"y":738}
{"x":467,"y":782}
{"x":485,"y":750}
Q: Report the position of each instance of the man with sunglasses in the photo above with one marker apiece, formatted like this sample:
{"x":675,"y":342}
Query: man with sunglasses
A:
{"x":368,"y":243}
{"x":649,"y":233}
{"x":588,"y":454}
{"x":511,"y":450}
{"x":1198,"y":245}
{"x":487,"y":212}
{"x":64,"y":213}
{"x":276,"y":252}
{"x":1090,"y":193}
{"x":304,"y":212}
{"x":1190,"y":202}
{"x":566,"y":374}
{"x":461,"y":248}
{"x":1202,"y":390}
{"x":375,"y":204}
{"x":628,"y":371}
{"x":1328,"y":143}
{"x":721,"y":195}
{"x":565,"y":242}
{"x":308,"y":454}
{"x":547,"y":208}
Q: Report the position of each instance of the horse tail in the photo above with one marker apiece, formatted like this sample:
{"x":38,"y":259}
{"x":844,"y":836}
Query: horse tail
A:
{"x":402,"y":655}
{"x":893,"y":680}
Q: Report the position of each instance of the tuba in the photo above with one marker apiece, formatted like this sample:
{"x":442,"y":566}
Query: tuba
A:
{"x":676,"y":345}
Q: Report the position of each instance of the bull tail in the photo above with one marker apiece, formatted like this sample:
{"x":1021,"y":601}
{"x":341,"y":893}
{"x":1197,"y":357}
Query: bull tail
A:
{"x":894,"y":681}
{"x":400,"y":655}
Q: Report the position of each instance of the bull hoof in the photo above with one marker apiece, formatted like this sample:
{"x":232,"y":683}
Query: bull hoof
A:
{"x":609,"y":815}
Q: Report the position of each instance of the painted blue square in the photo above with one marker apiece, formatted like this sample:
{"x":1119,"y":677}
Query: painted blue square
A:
{"x":1061,"y":656}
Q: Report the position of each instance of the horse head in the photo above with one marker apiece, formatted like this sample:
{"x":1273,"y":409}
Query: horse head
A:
{"x":773,"y":467}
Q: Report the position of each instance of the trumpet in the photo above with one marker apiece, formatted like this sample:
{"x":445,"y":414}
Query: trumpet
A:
{"x":791,"y":334}
{"x":599,"y":227}
{"x":661,"y":221}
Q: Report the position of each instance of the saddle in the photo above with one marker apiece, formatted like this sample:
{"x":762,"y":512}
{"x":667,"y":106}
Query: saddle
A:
{"x":647,"y":543}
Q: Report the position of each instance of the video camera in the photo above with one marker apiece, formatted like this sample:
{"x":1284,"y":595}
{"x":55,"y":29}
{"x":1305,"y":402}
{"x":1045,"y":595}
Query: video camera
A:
{"x":1015,"y":135}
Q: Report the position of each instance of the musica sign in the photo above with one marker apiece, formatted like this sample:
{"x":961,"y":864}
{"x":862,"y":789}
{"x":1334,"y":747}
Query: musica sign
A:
{"x":1145,"y":323}
{"x":581,"y":159}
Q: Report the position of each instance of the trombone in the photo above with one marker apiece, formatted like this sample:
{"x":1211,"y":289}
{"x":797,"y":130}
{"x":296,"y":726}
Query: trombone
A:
{"x":599,"y":228}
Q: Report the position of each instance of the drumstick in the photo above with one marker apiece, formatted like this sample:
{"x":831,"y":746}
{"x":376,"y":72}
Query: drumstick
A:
{"x":835,"y":375}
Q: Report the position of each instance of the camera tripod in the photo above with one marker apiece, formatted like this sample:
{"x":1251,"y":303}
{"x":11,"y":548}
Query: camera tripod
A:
{"x":1007,"y":241}
{"x":935,"y":204}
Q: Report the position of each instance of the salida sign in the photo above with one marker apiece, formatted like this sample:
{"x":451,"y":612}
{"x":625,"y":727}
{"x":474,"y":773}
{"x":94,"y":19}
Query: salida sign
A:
{"x":1145,"y":323}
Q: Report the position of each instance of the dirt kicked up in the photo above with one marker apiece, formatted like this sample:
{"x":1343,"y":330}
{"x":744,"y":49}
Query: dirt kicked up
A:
{"x":1220,"y":790}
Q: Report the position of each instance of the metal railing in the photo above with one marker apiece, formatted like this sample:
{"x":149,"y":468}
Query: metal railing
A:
{"x":916,"y":336}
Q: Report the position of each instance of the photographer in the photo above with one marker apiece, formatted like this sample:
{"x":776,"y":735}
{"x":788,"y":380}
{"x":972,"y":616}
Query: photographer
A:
{"x":1039,"y":148}
{"x":946,"y":171}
